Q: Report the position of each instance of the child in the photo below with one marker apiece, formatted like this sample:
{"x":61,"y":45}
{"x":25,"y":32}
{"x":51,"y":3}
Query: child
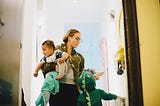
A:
{"x":91,"y":96}
{"x":52,"y":59}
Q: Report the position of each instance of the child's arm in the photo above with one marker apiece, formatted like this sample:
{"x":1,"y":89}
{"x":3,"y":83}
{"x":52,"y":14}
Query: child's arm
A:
{"x":38,"y":68}
{"x":63,"y":58}
{"x":106,"y":96}
{"x":98,"y":74}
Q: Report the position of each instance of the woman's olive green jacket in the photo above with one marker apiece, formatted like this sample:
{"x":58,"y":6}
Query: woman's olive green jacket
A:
{"x":76,"y":60}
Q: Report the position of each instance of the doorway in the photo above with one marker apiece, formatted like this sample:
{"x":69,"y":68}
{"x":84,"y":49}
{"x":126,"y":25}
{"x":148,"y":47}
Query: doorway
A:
{"x":52,"y":27}
{"x":98,"y":21}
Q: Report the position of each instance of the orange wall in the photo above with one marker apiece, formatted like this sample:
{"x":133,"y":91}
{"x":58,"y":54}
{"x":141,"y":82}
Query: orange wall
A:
{"x":148,"y":12}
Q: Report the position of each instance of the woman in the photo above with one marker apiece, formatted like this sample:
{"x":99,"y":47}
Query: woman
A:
{"x":69,"y":92}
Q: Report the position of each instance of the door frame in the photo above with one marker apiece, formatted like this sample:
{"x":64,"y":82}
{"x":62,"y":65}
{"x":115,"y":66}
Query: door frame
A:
{"x":132,"y":53}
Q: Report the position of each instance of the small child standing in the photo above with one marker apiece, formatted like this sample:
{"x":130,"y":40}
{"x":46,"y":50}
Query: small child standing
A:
{"x":91,"y":96}
{"x":54,"y":69}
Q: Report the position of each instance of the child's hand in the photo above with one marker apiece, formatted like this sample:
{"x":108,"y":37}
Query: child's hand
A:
{"x":98,"y":74}
{"x":61,"y":60}
{"x":35,"y":74}
{"x":96,"y":77}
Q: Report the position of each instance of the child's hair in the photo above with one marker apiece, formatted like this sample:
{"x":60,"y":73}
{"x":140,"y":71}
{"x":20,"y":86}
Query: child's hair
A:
{"x":49,"y":43}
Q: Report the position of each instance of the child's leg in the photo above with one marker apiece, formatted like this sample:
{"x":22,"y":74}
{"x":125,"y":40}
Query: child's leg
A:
{"x":40,"y":100}
{"x":46,"y":96}
{"x":50,"y":84}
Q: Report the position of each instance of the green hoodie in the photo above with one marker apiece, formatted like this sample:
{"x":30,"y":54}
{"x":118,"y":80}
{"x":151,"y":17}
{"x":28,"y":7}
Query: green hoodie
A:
{"x":91,"y":96}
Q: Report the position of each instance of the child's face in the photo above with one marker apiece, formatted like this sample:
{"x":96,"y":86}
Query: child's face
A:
{"x":47,"y":51}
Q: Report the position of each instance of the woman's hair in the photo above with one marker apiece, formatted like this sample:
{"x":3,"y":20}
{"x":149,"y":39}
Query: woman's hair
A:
{"x":70,"y":33}
{"x":49,"y":43}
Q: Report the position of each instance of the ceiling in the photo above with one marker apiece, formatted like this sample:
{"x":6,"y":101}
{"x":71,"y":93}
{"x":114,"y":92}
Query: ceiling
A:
{"x":75,"y":9}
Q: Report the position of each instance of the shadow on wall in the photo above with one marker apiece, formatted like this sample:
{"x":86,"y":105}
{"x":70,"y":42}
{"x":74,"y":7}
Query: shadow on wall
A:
{"x":5,"y":92}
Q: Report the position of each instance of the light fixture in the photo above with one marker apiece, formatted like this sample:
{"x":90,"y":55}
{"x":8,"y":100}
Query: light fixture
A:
{"x":75,"y":1}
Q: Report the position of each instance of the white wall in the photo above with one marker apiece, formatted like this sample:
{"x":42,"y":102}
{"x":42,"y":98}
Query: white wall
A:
{"x":28,"y":47}
{"x":117,"y":83}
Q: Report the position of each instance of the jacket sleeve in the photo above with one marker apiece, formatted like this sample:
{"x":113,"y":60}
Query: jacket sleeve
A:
{"x":106,"y":96}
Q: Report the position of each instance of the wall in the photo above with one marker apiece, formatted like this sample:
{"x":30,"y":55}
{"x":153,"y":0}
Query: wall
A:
{"x":28,"y":39}
{"x":10,"y":31}
{"x":148,"y":12}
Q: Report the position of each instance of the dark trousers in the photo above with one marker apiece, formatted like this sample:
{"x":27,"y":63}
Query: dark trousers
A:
{"x":67,"y":96}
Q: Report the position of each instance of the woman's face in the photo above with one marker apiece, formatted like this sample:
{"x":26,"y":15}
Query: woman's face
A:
{"x":47,"y":51}
{"x":75,"y":40}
